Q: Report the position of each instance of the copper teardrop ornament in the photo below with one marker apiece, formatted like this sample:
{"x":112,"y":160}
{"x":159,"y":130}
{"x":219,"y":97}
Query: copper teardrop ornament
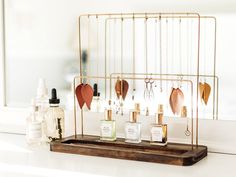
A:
{"x":87,"y":94}
{"x":121,"y":88}
{"x":176,"y":100}
{"x":125,"y":89}
{"x":79,"y":95}
{"x":206,"y":93}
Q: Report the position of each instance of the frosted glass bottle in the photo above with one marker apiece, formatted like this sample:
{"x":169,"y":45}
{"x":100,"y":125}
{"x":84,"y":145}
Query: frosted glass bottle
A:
{"x":133,"y":129}
{"x":54,"y":119}
{"x":33,"y":126}
{"x":108,"y":127}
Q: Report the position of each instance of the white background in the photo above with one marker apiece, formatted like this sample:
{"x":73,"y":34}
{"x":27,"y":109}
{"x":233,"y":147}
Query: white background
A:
{"x":41,"y":38}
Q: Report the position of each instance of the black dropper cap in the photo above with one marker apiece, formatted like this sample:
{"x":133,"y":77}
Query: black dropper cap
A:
{"x":95,"y":90}
{"x":54,"y":99}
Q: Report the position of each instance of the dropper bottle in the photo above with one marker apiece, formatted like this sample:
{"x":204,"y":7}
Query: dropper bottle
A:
{"x":54,"y":118}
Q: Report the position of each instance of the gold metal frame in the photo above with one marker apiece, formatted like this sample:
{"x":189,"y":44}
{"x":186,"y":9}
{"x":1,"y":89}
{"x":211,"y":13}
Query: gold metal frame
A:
{"x":154,"y":15}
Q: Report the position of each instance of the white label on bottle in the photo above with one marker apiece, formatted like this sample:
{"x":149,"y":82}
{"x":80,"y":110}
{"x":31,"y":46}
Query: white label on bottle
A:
{"x":157,"y":134}
{"x":35,"y":130}
{"x":131,"y":131}
{"x":106,"y":129}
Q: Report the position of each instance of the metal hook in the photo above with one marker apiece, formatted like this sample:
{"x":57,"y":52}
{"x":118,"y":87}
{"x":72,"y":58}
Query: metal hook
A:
{"x":151,"y":92}
{"x":146,"y":91}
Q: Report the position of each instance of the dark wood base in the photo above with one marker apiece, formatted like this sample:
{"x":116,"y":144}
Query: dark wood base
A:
{"x":172,"y":153}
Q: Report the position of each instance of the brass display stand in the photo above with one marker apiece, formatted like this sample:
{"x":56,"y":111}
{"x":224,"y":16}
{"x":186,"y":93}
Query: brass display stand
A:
{"x":172,"y":153}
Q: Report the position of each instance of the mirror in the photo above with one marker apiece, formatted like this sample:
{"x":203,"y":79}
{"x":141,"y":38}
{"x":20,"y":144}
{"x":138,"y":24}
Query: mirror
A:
{"x":45,"y":45}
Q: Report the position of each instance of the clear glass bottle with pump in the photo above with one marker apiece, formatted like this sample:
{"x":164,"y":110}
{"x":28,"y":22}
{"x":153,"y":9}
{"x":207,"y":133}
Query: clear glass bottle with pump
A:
{"x":108,"y":127}
{"x":158,"y":129}
{"x":133,"y":129}
{"x":54,"y":118}
{"x":34,"y":126}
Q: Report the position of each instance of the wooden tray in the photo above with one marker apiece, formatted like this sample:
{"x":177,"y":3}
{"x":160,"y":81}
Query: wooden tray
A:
{"x":173,"y":153}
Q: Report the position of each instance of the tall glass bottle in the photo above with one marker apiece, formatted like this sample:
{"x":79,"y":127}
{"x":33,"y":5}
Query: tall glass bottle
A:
{"x":42,"y":104}
{"x":34,"y":126}
{"x":133,"y":129}
{"x":54,"y":118}
{"x":108,"y":127}
{"x":158,"y":129}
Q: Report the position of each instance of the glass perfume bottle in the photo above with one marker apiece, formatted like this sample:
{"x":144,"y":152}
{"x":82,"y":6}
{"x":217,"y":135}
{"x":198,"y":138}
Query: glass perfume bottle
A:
{"x":158,"y":129}
{"x":54,"y":118}
{"x":184,"y":112}
{"x":133,"y":129}
{"x":108,"y":127}
{"x":34,"y":126}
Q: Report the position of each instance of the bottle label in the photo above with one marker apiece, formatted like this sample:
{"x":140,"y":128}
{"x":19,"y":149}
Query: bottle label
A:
{"x":106,"y":129}
{"x":131,"y":132}
{"x":157,"y":134}
{"x":35,"y":130}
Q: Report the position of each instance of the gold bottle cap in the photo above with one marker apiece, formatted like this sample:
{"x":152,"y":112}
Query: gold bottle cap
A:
{"x":108,"y":114}
{"x":137,"y":107}
{"x":184,"y":111}
{"x":133,"y":116}
{"x":160,"y":108}
{"x":159,"y":118}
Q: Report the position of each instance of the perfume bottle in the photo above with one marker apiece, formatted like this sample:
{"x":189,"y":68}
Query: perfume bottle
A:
{"x":184,"y":112}
{"x":108,"y":127}
{"x":158,"y":129}
{"x":54,"y":118}
{"x":133,"y":129}
{"x":34,"y":126}
{"x":96,"y":102}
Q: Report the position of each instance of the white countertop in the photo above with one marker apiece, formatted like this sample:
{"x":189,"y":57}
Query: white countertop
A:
{"x":18,"y":160}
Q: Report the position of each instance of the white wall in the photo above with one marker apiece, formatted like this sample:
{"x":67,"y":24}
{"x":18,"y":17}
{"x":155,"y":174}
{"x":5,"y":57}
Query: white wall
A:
{"x":41,"y":34}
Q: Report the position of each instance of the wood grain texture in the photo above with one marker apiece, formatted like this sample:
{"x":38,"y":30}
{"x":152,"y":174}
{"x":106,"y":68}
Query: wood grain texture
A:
{"x":173,"y":153}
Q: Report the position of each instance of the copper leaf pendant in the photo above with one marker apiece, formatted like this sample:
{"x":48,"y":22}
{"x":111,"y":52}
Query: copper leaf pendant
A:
{"x":205,"y":90}
{"x":121,"y":88}
{"x":125,"y":89}
{"x":206,"y":93}
{"x":79,"y":95}
{"x":176,"y":100}
{"x":87,"y":94}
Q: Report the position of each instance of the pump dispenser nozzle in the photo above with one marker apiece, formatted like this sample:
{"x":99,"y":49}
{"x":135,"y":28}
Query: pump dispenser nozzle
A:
{"x":42,"y":89}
